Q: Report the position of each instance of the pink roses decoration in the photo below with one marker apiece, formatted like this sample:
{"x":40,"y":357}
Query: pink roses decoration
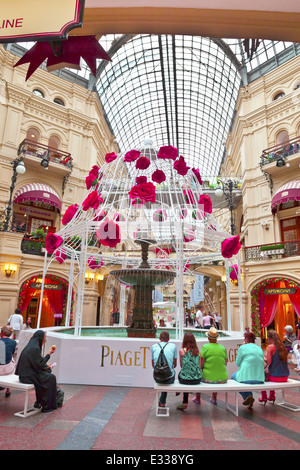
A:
{"x":234,"y":272}
{"x":142,"y":163}
{"x":69,"y":214}
{"x":168,"y":152}
{"x":158,"y":176}
{"x":94,"y":263}
{"x":160,"y":215}
{"x":145,"y":192}
{"x":60,"y":256}
{"x":52,"y":241}
{"x":181,"y":167}
{"x":92,"y":201}
{"x":132,"y":156}
{"x":230,"y":246}
{"x":92,"y":178}
{"x":110,"y":157}
{"x":197,"y":175}
{"x":109,"y":233}
{"x":205,"y":203}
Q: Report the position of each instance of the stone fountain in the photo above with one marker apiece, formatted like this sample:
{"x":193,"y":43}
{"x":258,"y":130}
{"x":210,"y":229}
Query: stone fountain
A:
{"x":143,"y":280}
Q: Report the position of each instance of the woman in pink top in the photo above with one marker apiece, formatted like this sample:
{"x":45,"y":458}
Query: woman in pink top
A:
{"x":206,"y":322}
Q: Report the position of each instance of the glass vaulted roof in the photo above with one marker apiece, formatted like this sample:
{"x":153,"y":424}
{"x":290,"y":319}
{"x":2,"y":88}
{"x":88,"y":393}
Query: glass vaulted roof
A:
{"x":178,"y":90}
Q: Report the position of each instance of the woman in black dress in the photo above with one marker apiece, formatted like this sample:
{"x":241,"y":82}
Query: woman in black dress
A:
{"x":32,"y":368}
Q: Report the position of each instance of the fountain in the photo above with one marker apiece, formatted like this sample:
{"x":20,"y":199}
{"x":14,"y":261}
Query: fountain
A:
{"x":143,"y":280}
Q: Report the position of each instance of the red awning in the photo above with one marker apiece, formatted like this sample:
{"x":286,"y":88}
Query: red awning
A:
{"x":287,"y":193}
{"x":36,"y":192}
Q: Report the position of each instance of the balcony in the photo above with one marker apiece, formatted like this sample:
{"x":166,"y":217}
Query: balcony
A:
{"x":280,"y":155}
{"x":37,"y":155}
{"x":272,"y":251}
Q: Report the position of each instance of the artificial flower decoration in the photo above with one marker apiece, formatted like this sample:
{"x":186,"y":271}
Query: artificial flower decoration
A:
{"x":144,"y":192}
{"x":67,"y":54}
{"x":168,"y":152}
{"x":52,"y":241}
{"x":186,"y":266}
{"x":119,"y":218}
{"x":60,"y":256}
{"x":142,"y":163}
{"x":160,"y":215}
{"x":234,"y":273}
{"x":198,"y":214}
{"x":189,"y":196}
{"x":69,"y":214}
{"x":94,"y":263}
{"x":109,"y":233}
{"x":197,"y":175}
{"x":138,"y":203}
{"x":110,"y":157}
{"x":189,"y":236}
{"x":92,"y":201}
{"x":100,"y":215}
{"x":183,"y":213}
{"x":158,"y":176}
{"x":181,"y":166}
{"x":92,"y":178}
{"x":141,"y":179}
{"x":205,"y":203}
{"x":132,"y":155}
{"x":230,"y":246}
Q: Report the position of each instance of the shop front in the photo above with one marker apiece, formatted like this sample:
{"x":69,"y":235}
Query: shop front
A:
{"x":53,"y":302}
{"x":275,"y":303}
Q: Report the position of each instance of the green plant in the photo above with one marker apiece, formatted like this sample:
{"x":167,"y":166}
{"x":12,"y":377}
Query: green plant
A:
{"x":279,"y":246}
{"x":39,"y":234}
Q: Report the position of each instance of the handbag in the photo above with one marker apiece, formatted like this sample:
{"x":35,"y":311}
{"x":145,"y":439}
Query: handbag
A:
{"x":268,"y":372}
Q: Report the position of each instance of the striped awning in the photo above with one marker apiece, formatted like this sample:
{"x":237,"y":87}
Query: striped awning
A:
{"x":36,"y":192}
{"x":287,"y":193}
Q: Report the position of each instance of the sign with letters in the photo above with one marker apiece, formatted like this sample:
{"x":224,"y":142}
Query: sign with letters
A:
{"x":38,"y":285}
{"x":280,"y":290}
{"x":33,"y":20}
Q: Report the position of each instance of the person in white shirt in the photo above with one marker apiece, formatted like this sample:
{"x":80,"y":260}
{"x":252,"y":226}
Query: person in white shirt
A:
{"x":16,"y":322}
{"x":199,"y":315}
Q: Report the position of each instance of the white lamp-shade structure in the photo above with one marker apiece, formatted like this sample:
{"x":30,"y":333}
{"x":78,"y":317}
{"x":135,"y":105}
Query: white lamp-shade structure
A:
{"x":219,"y":192}
{"x":21,"y":168}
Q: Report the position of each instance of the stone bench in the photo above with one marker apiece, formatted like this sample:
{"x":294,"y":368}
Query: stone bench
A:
{"x":12,"y":381}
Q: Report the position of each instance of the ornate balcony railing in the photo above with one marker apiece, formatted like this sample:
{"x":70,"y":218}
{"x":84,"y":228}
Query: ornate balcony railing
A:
{"x":29,"y":147}
{"x":281,"y":151}
{"x":272,"y":251}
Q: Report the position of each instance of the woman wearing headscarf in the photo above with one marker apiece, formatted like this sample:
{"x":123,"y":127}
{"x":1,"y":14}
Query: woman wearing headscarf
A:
{"x":32,"y":368}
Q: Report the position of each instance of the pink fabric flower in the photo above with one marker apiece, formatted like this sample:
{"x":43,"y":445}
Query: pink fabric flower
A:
{"x":197,"y":174}
{"x":188,"y":236}
{"x":183,"y":213}
{"x":230,"y":246}
{"x":52,"y":241}
{"x":189,"y":196}
{"x":92,"y":178}
{"x":92,"y":201}
{"x":94,"y":263}
{"x":198,"y":214}
{"x":142,"y":163}
{"x":60,"y":256}
{"x":186,"y":266}
{"x":158,"y":176}
{"x":141,"y":179}
{"x":234,"y":272}
{"x":100,"y":215}
{"x":69,"y":214}
{"x":132,"y":155}
{"x":160,"y":215}
{"x":205,"y":203}
{"x":168,"y":151}
{"x":109,"y":233}
{"x":137,"y":202}
{"x":110,"y":157}
{"x":119,"y":217}
{"x":181,"y":166}
{"x":145,"y":192}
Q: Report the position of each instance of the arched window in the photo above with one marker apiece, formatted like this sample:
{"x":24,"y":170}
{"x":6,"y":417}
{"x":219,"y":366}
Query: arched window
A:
{"x":283,"y":136}
{"x":54,"y":142}
{"x":279,"y":95}
{"x":33,"y":135}
{"x":38,"y":92}
{"x":59,"y":101}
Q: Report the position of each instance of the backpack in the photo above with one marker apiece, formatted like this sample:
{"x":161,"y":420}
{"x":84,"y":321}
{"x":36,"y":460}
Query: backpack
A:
{"x":162,"y":371}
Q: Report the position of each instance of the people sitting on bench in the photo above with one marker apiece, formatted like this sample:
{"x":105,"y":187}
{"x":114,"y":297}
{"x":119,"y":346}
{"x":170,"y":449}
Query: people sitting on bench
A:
{"x":7,"y":349}
{"x":190,"y":373}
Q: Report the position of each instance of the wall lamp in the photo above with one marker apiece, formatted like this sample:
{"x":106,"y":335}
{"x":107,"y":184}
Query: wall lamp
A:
{"x":99,"y":277}
{"x":45,"y":163}
{"x":89,"y":277}
{"x":10,"y":269}
{"x":280,"y":162}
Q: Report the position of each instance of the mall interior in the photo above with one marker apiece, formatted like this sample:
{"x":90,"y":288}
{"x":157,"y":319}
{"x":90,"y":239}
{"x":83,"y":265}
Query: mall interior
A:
{"x":230,"y":105}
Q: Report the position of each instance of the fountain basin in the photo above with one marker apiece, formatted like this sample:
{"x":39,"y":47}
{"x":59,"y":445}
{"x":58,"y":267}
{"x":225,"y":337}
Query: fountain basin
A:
{"x":143,"y":277}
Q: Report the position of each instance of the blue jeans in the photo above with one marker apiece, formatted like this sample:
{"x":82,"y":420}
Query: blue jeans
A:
{"x":246,"y":394}
{"x":163,"y":395}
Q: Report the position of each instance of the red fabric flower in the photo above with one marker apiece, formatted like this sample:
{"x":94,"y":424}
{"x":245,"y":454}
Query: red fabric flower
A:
{"x":60,"y":256}
{"x":230,"y":246}
{"x":92,"y":201}
{"x":145,"y":192}
{"x":132,"y":155}
{"x":52,"y":241}
{"x":92,"y":178}
{"x":141,"y":179}
{"x":205,"y":203}
{"x":109,"y":233}
{"x":99,"y":216}
{"x":189,"y":196}
{"x":110,"y":157}
{"x":168,"y":151}
{"x":137,"y":202}
{"x":69,"y":214}
{"x":234,"y":272}
{"x":198,"y":214}
{"x":158,"y":176}
{"x":94,"y":263}
{"x":197,"y":174}
{"x":180,"y":166}
{"x":188,"y":236}
{"x":143,"y":163}
{"x":160,"y":215}
{"x":119,"y":217}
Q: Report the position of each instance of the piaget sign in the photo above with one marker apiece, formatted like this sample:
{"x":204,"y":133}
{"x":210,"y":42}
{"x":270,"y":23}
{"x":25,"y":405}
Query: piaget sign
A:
{"x":33,"y":20}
